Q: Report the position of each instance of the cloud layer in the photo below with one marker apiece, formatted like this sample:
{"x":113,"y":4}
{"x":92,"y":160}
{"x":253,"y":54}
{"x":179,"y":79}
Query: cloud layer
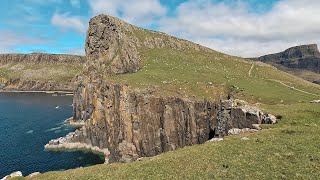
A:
{"x":238,"y":27}
{"x":66,"y":22}
{"x":10,"y":40}
{"x":233,"y":29}
{"x":141,"y":12}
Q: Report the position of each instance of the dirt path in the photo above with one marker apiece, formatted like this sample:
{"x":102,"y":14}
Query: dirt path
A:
{"x":281,"y":82}
{"x":249,"y":73}
{"x":293,"y":88}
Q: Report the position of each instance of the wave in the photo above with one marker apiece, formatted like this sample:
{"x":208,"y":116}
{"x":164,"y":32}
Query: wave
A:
{"x":53,"y":129}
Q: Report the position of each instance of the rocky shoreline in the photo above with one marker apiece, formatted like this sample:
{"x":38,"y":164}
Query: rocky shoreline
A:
{"x":47,"y":92}
{"x":73,"y":123}
{"x":68,"y":143}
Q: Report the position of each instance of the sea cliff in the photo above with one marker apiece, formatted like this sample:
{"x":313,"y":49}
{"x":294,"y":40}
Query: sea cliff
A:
{"x":131,"y":122}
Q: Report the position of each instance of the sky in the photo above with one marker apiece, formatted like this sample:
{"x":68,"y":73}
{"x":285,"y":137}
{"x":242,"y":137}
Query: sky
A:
{"x":246,"y":28}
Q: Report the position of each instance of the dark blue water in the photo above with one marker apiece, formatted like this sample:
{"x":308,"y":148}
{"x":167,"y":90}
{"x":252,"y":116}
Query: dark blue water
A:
{"x":27,"y":122}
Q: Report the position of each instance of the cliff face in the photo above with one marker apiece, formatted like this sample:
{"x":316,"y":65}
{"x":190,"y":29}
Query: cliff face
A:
{"x":39,"y":72}
{"x":108,"y":46}
{"x":133,"y":123}
{"x":41,"y":58}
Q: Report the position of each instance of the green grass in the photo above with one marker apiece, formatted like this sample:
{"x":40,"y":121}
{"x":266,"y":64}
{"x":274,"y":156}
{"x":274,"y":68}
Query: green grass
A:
{"x":189,"y":73}
{"x":41,"y":72}
{"x":4,"y":73}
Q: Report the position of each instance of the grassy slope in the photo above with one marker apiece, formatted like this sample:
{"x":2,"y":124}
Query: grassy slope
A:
{"x":189,"y":73}
{"x":41,"y":72}
{"x":288,"y":150}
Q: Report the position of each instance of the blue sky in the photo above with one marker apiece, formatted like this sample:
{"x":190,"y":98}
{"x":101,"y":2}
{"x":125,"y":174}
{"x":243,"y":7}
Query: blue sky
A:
{"x":237,"y":27}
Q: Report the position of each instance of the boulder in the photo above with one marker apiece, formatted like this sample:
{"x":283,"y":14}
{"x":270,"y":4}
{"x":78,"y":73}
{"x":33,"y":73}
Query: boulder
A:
{"x":269,"y":119}
{"x":315,"y":101}
{"x":34,"y":174}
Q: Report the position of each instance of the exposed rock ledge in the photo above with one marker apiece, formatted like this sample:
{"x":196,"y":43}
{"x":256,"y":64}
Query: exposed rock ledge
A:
{"x":67,"y":143}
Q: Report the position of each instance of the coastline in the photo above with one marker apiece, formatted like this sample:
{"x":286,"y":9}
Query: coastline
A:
{"x":67,"y":93}
{"x":76,"y":124}
{"x":71,"y":142}
{"x":73,"y":146}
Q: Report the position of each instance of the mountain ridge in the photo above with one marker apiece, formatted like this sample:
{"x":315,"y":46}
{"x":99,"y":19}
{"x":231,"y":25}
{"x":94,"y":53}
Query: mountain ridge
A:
{"x":302,"y":61}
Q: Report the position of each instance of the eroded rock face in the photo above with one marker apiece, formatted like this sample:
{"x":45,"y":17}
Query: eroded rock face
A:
{"x":135,"y":124}
{"x":109,"y":47}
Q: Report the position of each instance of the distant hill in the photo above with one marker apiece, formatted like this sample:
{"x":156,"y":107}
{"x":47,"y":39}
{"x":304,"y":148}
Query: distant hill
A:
{"x":39,"y":71}
{"x":302,"y":61}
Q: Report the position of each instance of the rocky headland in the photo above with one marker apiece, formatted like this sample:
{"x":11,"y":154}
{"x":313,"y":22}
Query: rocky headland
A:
{"x":127,"y":123}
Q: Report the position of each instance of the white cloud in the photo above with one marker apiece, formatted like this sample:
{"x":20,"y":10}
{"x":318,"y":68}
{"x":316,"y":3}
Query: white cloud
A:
{"x":9,"y":40}
{"x":75,"y":51}
{"x":235,"y":30}
{"x":140,"y":12}
{"x":75,"y":3}
{"x":66,"y":22}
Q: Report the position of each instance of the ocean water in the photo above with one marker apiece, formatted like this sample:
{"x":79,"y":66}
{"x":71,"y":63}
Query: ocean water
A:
{"x":27,"y":122}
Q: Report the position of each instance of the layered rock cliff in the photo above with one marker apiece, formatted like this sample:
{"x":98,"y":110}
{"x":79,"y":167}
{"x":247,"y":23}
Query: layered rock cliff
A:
{"x":39,"y":71}
{"x":130,"y":122}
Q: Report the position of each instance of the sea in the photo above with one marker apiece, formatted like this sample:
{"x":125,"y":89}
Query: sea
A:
{"x":27,"y":122}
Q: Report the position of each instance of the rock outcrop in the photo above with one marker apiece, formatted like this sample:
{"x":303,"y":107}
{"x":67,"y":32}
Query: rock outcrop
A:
{"x":133,"y":123}
{"x":316,"y":82}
